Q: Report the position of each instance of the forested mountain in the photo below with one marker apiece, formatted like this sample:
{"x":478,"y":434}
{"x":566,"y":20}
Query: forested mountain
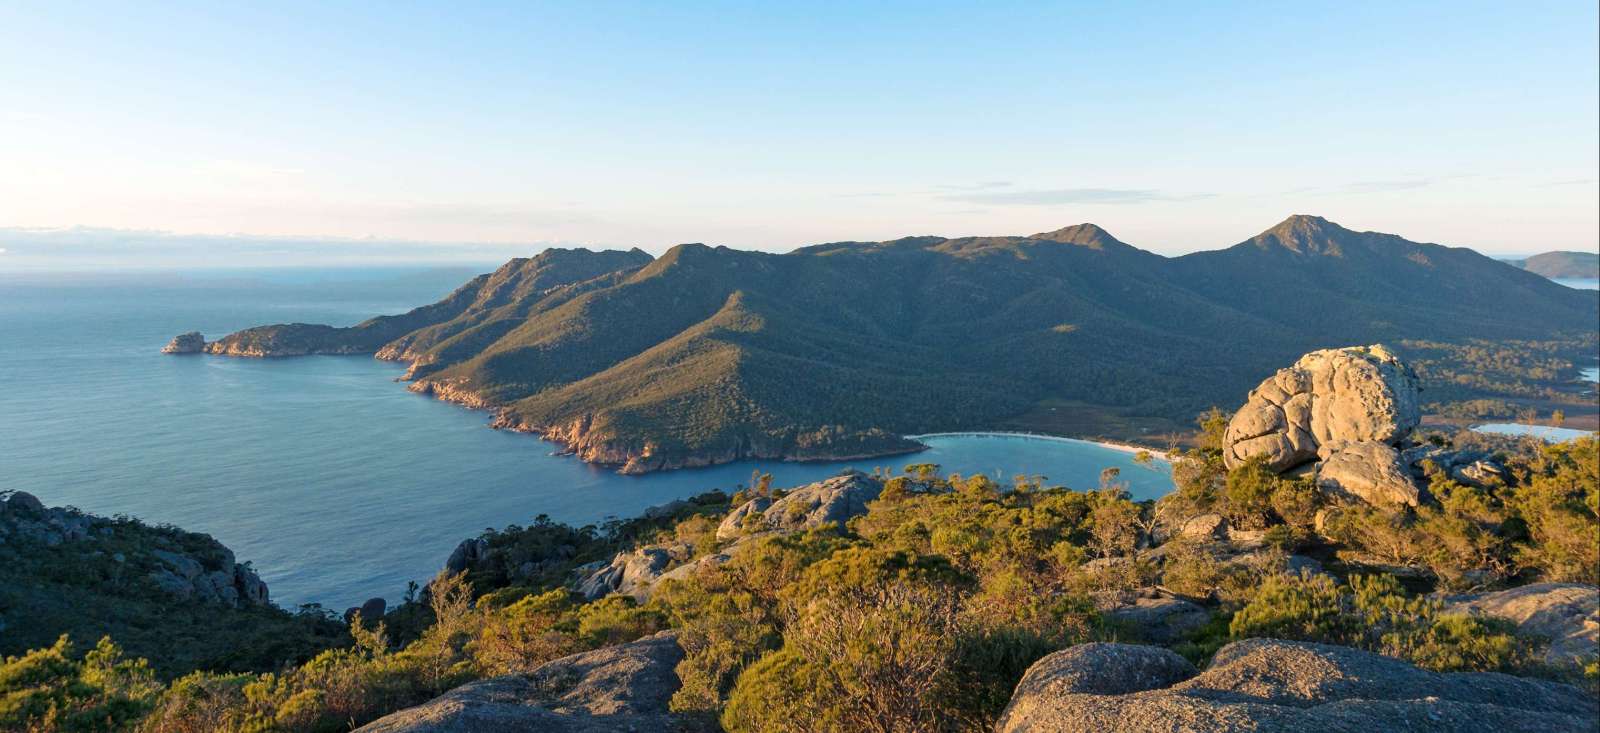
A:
{"x":1562,"y":264}
{"x":713,"y":354}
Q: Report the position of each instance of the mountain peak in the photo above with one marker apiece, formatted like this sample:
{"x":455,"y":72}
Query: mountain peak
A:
{"x":1304,"y":234}
{"x":1084,"y":235}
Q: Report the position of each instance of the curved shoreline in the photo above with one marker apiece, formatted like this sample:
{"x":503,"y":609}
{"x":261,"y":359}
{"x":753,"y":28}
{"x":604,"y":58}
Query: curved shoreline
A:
{"x":1120,"y":447}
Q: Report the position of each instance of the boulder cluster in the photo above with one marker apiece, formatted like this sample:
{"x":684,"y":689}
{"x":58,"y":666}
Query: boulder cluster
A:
{"x":1344,"y":415}
{"x":636,"y":573}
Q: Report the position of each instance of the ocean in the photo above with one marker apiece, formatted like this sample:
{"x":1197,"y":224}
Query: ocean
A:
{"x":333,"y":480}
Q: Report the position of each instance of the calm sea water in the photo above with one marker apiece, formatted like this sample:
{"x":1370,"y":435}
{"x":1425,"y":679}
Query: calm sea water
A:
{"x":336,"y":482}
{"x":1581,"y":283}
{"x":1545,"y":432}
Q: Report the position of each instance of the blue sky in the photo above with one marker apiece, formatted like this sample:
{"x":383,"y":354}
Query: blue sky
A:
{"x":1176,"y":126}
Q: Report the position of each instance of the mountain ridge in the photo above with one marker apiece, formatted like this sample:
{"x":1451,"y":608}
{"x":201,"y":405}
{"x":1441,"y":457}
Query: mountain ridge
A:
{"x":711,"y":354}
{"x":1562,"y":264}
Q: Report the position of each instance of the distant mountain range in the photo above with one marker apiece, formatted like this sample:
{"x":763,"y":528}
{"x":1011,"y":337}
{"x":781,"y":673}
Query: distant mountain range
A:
{"x":1562,"y":264}
{"x":710,"y":354}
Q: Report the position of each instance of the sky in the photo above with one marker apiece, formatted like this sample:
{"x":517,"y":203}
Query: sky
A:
{"x":196,"y":132}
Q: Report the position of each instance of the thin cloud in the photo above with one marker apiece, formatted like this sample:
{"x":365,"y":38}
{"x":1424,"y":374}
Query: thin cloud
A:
{"x":1061,"y":196}
{"x":983,"y":186}
{"x":1377,"y":186}
{"x":1568,"y":182}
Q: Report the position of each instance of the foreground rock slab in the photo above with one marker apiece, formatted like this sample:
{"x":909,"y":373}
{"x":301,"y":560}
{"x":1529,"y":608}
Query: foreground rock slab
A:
{"x":1567,"y":614}
{"x":618,"y":688}
{"x":1272,"y":686}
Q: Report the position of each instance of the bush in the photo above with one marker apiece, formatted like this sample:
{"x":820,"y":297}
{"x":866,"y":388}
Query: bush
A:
{"x":1374,"y":613}
{"x":52,"y":689}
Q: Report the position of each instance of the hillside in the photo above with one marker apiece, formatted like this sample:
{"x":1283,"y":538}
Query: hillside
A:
{"x":1562,"y":264}
{"x":707,"y":355}
{"x":176,"y":598}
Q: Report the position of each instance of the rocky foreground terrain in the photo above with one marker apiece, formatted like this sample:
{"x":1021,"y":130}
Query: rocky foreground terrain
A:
{"x":178,"y":598}
{"x":1273,"y":686}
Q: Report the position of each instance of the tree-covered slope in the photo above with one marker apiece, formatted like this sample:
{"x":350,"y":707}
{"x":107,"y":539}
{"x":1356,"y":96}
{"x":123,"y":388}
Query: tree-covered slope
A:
{"x":713,"y":354}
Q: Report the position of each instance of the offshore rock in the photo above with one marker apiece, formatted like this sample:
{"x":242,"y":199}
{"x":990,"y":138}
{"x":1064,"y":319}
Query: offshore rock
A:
{"x":185,"y":343}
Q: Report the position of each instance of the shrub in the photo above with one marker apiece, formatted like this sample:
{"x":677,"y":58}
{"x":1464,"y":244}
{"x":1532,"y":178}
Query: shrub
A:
{"x":1374,"y":613}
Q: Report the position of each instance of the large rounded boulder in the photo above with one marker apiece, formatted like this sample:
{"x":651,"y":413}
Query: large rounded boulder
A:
{"x":1326,"y":399}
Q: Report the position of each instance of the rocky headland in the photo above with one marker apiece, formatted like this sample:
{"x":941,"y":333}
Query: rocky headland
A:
{"x":708,"y":355}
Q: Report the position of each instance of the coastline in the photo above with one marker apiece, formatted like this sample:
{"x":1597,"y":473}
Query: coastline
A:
{"x":1120,"y":447}
{"x":567,"y":446}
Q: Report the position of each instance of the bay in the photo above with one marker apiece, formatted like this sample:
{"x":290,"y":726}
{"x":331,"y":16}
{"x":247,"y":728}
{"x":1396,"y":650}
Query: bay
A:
{"x":335,"y":481}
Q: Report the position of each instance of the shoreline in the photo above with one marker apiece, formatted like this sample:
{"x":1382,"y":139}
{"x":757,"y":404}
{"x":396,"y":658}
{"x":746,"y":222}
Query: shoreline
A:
{"x":1119,"y":447}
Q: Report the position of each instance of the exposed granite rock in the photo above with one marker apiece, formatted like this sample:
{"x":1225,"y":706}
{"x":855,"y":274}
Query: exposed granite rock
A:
{"x":466,"y":554}
{"x":252,"y":590}
{"x":173,"y":584}
{"x":1204,"y":527}
{"x":1274,"y":686}
{"x":1329,"y":397}
{"x":1370,"y":471}
{"x":24,"y":501}
{"x":1567,"y":614}
{"x":211,"y":576}
{"x":618,"y":688}
{"x":185,"y":343}
{"x":733,"y":525}
{"x":632,"y":573}
{"x":838,"y":499}
{"x":182,"y":565}
{"x":1088,"y":670}
{"x":1162,"y":619}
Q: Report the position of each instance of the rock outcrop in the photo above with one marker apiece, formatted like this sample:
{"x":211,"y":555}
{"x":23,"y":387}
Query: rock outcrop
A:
{"x":632,"y":573}
{"x":1161,"y":619}
{"x":1273,"y":686}
{"x":838,"y":499}
{"x":200,"y":570}
{"x":744,"y":518}
{"x":1567,"y":614}
{"x":467,"y":553}
{"x":1348,"y":408}
{"x":371,"y":611}
{"x":1369,"y":471}
{"x":636,"y":573}
{"x":186,"y":343}
{"x":1328,"y":398}
{"x":618,"y":688}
